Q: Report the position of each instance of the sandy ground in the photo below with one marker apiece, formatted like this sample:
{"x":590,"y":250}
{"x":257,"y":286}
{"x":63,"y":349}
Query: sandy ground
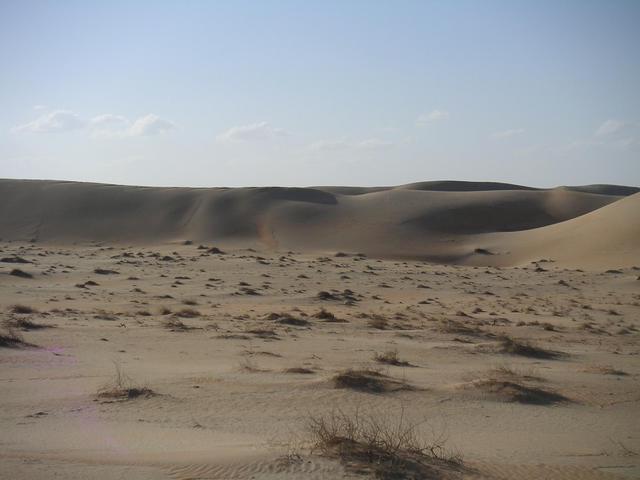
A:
{"x":222,"y":405}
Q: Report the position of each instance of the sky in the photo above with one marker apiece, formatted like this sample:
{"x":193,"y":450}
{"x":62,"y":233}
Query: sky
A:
{"x":300,"y":93}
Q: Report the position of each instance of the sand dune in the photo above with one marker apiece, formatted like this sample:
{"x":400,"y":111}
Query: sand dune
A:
{"x":441,"y":221}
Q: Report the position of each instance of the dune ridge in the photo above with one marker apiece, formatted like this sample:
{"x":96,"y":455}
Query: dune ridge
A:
{"x":453,"y":222}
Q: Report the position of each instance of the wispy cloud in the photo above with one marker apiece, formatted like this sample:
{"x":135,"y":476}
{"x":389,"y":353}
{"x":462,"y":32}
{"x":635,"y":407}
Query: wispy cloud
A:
{"x":507,"y":133}
{"x":57,"y":121}
{"x":109,"y":125}
{"x":610,"y":127}
{"x":103,"y":125}
{"x":150,"y":125}
{"x":432,"y":117}
{"x":250,"y":133}
{"x":343,"y":144}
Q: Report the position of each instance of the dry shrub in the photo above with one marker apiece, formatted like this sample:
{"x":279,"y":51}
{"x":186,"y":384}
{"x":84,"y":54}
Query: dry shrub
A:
{"x":22,"y":309}
{"x":188,"y":313}
{"x":24,"y":324}
{"x":105,"y":271}
{"x":389,"y":447}
{"x":16,"y":272}
{"x":378,"y":322}
{"x":369,"y":380}
{"x":300,"y":370}
{"x":9,"y":338}
{"x":525,"y":349}
{"x":122,"y":387}
{"x":286,"y":319}
{"x":328,"y":316}
{"x":175,"y":325}
{"x":512,"y":391}
{"x":390,"y":357}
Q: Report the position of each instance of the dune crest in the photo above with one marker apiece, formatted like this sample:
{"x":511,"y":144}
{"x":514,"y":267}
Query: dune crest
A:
{"x":446,"y":221}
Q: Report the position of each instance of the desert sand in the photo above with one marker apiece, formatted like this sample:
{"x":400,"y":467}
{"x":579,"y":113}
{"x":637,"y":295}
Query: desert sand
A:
{"x":198,"y":333}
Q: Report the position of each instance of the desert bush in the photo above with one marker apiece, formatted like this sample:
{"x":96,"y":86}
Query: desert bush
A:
{"x":188,"y":313}
{"x":16,"y":272}
{"x":122,"y":387}
{"x":175,"y":325}
{"x":368,"y":380}
{"x":390,"y":357}
{"x":9,"y":338}
{"x":388,"y":446}
{"x":300,"y":370}
{"x":525,"y":349}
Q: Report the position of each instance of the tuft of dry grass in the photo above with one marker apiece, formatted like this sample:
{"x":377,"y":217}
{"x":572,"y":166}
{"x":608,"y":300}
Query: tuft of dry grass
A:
{"x":24,"y":324}
{"x":22,"y":309}
{"x":525,"y":349}
{"x":9,"y":338}
{"x":605,"y":370}
{"x":513,"y":391}
{"x":385,"y":446}
{"x":105,"y":271}
{"x":368,"y":380}
{"x":16,"y":272}
{"x":122,"y":388}
{"x":188,"y":313}
{"x":327,"y":316}
{"x":300,"y":370}
{"x":175,"y":325}
{"x":390,"y":357}
{"x":286,"y":319}
{"x":378,"y":322}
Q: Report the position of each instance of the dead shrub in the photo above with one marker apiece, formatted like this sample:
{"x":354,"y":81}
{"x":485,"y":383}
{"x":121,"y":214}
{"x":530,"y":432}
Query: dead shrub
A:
{"x":388,"y":447}
{"x":123,"y":388}
{"x":390,"y":357}
{"x":368,"y":380}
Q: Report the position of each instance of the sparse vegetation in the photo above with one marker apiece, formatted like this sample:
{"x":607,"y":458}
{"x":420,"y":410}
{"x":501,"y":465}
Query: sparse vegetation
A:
{"x":105,"y":271}
{"x":286,"y":319}
{"x":378,"y":322}
{"x":300,"y":370}
{"x":9,"y":338}
{"x":122,"y":387}
{"x":368,"y":380}
{"x":16,"y":272}
{"x":523,"y":348}
{"x":513,"y":391}
{"x":22,"y":309}
{"x":388,"y":447}
{"x":390,"y":357}
{"x":24,"y":324}
{"x":175,"y":325}
{"x":327,"y":316}
{"x":187,"y":313}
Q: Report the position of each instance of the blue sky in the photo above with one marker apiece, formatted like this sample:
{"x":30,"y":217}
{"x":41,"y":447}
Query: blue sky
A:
{"x":314,"y":93}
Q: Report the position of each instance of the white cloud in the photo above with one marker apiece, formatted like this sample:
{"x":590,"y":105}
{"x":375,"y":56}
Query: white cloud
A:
{"x":109,"y":125}
{"x":254,"y":132}
{"x":104,"y":125}
{"x":431,"y":117}
{"x":337,"y":145}
{"x":150,"y":125}
{"x":53,"y":122}
{"x":507,"y":133}
{"x":610,"y":127}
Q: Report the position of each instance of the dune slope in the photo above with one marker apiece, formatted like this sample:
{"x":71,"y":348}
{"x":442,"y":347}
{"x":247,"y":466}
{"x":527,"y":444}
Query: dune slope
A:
{"x":443,"y":221}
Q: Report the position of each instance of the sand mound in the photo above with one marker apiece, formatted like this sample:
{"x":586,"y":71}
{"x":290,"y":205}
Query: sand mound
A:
{"x":441,"y":221}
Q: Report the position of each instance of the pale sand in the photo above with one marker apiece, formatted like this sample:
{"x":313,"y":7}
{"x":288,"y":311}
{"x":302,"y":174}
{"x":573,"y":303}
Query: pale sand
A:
{"x":213,"y":417}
